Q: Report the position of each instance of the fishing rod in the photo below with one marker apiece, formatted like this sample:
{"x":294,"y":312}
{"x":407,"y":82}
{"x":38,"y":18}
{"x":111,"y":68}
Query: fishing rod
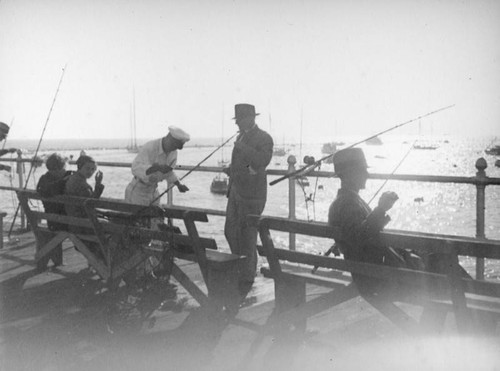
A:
{"x":310,"y":167}
{"x":189,"y":172}
{"x":38,"y":146}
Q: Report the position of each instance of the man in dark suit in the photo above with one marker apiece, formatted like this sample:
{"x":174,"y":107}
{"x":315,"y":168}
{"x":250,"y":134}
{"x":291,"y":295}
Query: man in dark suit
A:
{"x":247,"y":192}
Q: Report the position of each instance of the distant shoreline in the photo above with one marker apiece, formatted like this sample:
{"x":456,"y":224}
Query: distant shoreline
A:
{"x":95,"y":144}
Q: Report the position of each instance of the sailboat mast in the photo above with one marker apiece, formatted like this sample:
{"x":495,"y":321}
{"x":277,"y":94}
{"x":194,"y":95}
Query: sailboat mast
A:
{"x":134,"y":138}
{"x":222,"y":137}
{"x":301,"y":122}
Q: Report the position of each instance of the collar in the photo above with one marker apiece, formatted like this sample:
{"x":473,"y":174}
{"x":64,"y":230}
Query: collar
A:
{"x":347,"y":192}
{"x":80,"y":175}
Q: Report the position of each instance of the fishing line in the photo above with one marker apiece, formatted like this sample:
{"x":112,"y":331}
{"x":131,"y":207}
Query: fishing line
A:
{"x":311,"y":167}
{"x":393,"y":171}
{"x":38,"y":146}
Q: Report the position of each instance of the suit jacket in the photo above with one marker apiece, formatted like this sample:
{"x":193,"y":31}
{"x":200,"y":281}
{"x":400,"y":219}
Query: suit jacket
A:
{"x":247,"y":174}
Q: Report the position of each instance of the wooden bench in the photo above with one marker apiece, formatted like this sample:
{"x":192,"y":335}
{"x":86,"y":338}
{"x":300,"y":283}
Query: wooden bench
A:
{"x":3,"y":214}
{"x":475,"y":304}
{"x":114,"y":243}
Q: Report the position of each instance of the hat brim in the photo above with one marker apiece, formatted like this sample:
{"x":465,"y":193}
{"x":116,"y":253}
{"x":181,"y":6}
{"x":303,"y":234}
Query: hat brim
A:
{"x":257,"y":114}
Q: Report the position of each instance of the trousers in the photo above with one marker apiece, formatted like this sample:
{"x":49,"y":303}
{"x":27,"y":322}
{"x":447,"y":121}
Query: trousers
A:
{"x":241,"y":237}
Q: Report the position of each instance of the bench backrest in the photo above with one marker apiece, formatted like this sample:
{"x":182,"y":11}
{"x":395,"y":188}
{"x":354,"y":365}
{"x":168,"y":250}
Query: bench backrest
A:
{"x":113,"y":216}
{"x":454,"y":245}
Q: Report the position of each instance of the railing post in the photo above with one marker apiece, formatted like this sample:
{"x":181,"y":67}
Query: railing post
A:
{"x":291,"y":198}
{"x":481,"y":178}
{"x":170,"y":202}
{"x":20,"y":172}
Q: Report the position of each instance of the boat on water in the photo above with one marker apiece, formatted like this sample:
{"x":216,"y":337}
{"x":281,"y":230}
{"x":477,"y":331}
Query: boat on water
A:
{"x":425,"y":146}
{"x":279,"y":151}
{"x":330,"y":147}
{"x":303,"y":181}
{"x":495,"y":150}
{"x":133,"y":147}
{"x":375,"y":141}
{"x":219,"y":185}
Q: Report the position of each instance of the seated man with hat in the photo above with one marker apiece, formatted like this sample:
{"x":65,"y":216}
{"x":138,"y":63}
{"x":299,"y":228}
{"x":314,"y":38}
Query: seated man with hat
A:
{"x":252,"y":152}
{"x":356,"y":226}
{"x":154,"y":163}
{"x":4,"y":131}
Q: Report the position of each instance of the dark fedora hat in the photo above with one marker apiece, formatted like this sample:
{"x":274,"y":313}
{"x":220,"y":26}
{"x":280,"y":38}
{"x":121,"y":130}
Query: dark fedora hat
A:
{"x":242,"y":110}
{"x":4,"y":128}
{"x":349,"y":159}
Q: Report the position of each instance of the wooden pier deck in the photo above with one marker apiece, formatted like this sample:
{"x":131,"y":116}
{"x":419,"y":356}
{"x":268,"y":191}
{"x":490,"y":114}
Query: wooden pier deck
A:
{"x":60,"y":319}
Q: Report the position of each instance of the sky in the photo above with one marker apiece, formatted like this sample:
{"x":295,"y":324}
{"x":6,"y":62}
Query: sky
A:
{"x":313,"y":69}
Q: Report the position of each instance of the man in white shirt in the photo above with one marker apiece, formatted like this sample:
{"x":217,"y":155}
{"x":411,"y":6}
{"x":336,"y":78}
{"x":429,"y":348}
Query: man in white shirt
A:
{"x":4,"y":130}
{"x":153,"y":164}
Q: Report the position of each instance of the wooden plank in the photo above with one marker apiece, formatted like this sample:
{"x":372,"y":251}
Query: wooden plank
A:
{"x":99,"y":266}
{"x":62,"y":219}
{"x":420,"y":241}
{"x":269,"y":249}
{"x":145,"y":235}
{"x":315,"y":229}
{"x":58,"y":238}
{"x":199,"y":251}
{"x":125,"y":266}
{"x":315,"y":306}
{"x":426,"y":242}
{"x":190,"y":287}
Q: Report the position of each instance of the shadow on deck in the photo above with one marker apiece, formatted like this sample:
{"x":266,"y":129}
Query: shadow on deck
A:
{"x":64,"y":319}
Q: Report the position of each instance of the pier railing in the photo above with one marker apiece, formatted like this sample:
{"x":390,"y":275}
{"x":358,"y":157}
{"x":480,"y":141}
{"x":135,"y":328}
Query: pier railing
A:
{"x":480,"y":181}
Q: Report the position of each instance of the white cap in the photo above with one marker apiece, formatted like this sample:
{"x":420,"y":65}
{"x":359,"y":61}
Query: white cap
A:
{"x":179,"y":134}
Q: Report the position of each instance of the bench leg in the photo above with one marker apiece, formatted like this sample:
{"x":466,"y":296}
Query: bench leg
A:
{"x":290,"y":294}
{"x":2,"y":215}
{"x":393,"y":313}
{"x":223,"y":289}
{"x":433,"y":318}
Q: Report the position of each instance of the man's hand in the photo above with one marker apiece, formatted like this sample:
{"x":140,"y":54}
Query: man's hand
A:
{"x":387,"y":200}
{"x":226,"y":170}
{"x":239,"y":145}
{"x":181,"y":187}
{"x":157,"y":167}
{"x":98,"y":177}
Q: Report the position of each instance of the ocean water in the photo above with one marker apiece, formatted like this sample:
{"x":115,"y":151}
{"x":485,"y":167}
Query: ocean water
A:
{"x":425,"y":207}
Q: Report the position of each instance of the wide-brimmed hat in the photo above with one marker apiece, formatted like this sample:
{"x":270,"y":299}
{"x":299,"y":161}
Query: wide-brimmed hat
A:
{"x":349,"y":159}
{"x":243,"y":110}
{"x":178,"y":133}
{"x":4,"y":128}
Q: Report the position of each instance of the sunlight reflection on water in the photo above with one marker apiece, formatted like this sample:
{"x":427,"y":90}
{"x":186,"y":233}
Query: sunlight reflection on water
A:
{"x":426,"y":207}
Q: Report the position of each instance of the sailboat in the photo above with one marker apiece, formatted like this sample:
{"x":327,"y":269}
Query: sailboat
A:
{"x":301,"y":179}
{"x":220,"y":184}
{"x":421,"y":144}
{"x":132,"y":147}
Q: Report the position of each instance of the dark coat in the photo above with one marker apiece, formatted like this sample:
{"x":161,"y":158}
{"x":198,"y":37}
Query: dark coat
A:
{"x":50,"y":185}
{"x":247,"y":174}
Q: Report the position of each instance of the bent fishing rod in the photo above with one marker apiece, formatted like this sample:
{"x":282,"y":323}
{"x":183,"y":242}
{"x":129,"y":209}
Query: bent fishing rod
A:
{"x":185,"y":175}
{"x":38,"y":146}
{"x":310,"y":167}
